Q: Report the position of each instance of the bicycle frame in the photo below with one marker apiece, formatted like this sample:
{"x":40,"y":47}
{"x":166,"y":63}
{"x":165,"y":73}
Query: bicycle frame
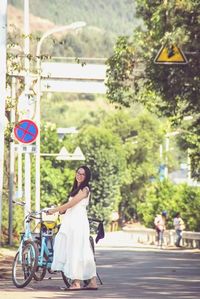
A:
{"x":45,"y":251}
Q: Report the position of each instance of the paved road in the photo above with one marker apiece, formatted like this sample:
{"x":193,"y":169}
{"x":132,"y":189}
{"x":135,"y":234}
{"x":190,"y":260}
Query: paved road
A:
{"x":126,"y":272}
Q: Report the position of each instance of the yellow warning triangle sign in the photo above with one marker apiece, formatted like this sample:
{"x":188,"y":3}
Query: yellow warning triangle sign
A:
{"x":170,"y":55}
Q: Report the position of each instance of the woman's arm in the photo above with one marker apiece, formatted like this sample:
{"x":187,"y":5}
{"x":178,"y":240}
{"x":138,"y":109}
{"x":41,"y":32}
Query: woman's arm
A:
{"x":76,"y":199}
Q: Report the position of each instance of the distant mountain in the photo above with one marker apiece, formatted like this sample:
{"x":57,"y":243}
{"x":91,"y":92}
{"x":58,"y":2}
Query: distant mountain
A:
{"x":16,"y":20}
{"x":116,"y":16}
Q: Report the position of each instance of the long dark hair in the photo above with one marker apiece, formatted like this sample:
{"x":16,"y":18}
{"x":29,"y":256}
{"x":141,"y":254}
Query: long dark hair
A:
{"x":85,"y":183}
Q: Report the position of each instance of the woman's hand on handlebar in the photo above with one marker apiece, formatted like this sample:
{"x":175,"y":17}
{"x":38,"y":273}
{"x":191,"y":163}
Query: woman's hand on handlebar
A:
{"x":51,"y":211}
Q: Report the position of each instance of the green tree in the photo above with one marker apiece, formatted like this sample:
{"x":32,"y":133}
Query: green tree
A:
{"x":170,"y":90}
{"x":56,"y":176}
{"x":172,"y":198}
{"x":105,"y":156}
{"x":141,"y":137}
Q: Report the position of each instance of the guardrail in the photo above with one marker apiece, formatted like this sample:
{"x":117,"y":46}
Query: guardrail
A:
{"x":148,"y":236}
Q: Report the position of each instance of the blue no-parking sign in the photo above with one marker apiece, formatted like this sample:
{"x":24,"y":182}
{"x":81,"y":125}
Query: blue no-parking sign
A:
{"x":26,"y":131}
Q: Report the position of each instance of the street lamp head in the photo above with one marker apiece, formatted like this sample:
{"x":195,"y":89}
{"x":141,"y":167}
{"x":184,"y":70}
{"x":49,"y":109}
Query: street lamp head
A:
{"x":72,"y":26}
{"x":76,"y":25}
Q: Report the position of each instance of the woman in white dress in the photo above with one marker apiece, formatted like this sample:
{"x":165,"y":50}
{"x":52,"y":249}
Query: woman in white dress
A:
{"x":72,"y":250}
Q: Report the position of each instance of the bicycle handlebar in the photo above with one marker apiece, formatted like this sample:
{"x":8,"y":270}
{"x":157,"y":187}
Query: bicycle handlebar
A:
{"x":19,"y":203}
{"x":30,"y":214}
{"x":45,"y":210}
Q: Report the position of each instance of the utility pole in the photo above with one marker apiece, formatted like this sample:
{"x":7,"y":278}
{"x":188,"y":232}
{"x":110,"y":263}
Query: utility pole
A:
{"x":26,"y":95}
{"x":12,"y":166}
{"x":189,"y":176}
{"x":3,"y":34}
{"x":166,"y":155}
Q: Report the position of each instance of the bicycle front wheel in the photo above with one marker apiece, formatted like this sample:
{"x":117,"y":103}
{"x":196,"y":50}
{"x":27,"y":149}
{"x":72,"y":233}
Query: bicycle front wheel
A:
{"x":25,"y":265}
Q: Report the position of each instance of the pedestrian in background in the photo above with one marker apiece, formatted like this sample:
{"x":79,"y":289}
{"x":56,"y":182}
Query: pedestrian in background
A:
{"x":179,"y":226}
{"x":160,"y":226}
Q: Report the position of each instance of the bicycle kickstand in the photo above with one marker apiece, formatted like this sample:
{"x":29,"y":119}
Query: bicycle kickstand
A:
{"x":99,"y":279}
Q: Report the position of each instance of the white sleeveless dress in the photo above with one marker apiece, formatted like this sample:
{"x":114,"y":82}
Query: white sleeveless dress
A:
{"x":72,"y":250}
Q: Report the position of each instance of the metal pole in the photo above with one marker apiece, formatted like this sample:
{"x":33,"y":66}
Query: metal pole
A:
{"x":12,"y":166}
{"x":37,"y":156}
{"x":166,"y":155}
{"x":27,"y":183}
{"x":3,"y":32}
{"x":11,"y":187}
{"x":188,"y":166}
{"x":26,"y":47}
{"x":20,"y":192}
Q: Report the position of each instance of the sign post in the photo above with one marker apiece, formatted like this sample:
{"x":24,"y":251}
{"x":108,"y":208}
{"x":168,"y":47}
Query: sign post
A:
{"x":26,"y":132}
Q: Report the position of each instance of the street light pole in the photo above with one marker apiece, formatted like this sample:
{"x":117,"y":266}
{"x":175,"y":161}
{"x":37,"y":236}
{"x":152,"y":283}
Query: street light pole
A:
{"x":70,"y":27}
{"x":167,"y":141}
{"x":27,"y":184}
{"x":3,"y":33}
{"x":166,"y":156}
{"x":12,"y":166}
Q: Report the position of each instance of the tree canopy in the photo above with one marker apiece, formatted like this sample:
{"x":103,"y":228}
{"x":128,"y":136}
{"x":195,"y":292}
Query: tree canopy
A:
{"x":169,"y":90}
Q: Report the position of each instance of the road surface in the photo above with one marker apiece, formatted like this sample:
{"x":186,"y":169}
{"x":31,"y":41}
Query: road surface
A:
{"x":126,"y":272}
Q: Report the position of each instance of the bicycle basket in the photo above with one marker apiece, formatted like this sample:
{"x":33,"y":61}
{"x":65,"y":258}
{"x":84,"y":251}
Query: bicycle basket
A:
{"x":50,"y":218}
{"x":49,"y":224}
{"x":49,"y":227}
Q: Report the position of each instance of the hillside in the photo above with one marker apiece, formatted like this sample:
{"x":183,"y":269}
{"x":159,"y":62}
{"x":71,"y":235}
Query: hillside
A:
{"x":116,"y":16}
{"x":16,"y":20}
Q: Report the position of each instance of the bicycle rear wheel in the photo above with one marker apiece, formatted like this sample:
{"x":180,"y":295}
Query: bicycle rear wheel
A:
{"x":25,"y":265}
{"x":68,"y":282}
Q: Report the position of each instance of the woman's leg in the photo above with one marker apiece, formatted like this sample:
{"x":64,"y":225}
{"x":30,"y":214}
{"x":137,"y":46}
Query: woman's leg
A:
{"x":161,"y":238}
{"x":157,"y":236}
{"x":179,"y":236}
{"x":92,"y":283}
{"x":76,"y":284}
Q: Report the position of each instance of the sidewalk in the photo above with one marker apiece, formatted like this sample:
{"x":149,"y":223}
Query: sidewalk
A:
{"x":116,"y":239}
{"x":122,"y":239}
{"x":125,"y":240}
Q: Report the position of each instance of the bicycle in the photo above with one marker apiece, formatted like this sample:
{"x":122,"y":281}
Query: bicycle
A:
{"x":35,"y":253}
{"x":26,"y":259}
